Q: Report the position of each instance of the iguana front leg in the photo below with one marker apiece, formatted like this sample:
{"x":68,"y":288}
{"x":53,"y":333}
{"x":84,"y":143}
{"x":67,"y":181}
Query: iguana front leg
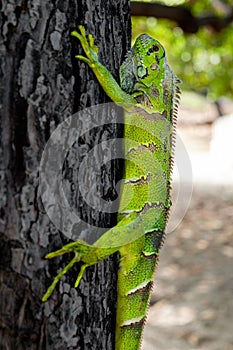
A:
{"x":105,"y":78}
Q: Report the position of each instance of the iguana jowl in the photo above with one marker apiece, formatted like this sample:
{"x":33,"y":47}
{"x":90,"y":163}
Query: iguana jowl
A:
{"x":148,"y":92}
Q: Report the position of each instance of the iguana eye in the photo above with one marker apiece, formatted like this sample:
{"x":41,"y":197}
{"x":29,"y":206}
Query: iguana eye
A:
{"x":155,"y":48}
{"x":152,"y":49}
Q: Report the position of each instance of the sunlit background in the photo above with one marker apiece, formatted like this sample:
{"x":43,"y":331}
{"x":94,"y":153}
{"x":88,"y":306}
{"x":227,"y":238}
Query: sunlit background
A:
{"x":191,"y":307}
{"x":202,"y":60}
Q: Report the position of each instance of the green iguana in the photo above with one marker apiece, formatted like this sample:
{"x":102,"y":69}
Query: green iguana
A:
{"x":148,"y":92}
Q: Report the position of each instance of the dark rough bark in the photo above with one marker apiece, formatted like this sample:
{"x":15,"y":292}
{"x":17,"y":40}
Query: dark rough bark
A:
{"x":41,"y":85}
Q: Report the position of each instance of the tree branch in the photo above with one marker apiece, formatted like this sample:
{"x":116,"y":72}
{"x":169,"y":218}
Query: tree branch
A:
{"x":181,"y":15}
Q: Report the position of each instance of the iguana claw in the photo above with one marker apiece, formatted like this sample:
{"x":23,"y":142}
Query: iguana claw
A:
{"x":89,"y":47}
{"x":82,"y":253}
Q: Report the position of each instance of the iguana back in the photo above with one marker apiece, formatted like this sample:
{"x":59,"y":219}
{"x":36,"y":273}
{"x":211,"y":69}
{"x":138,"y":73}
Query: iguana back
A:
{"x":149,"y":141}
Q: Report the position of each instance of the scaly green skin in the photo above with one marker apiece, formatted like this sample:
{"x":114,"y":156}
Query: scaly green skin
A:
{"x":149,"y":94}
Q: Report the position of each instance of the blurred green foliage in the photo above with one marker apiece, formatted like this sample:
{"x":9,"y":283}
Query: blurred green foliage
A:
{"x":204,"y":60}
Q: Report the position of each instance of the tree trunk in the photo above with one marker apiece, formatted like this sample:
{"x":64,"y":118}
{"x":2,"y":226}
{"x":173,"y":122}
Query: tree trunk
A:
{"x":42,"y":85}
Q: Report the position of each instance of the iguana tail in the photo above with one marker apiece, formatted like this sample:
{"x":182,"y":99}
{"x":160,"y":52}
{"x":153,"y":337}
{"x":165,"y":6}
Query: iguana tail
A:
{"x":135,"y":282}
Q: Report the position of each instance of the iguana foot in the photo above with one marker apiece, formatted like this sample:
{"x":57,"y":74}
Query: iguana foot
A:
{"x":89,"y":47}
{"x":83,"y":252}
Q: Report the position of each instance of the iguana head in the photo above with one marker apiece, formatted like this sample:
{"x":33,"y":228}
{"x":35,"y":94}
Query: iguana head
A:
{"x":149,"y":55}
{"x":146,"y":75}
{"x":143,"y":65}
